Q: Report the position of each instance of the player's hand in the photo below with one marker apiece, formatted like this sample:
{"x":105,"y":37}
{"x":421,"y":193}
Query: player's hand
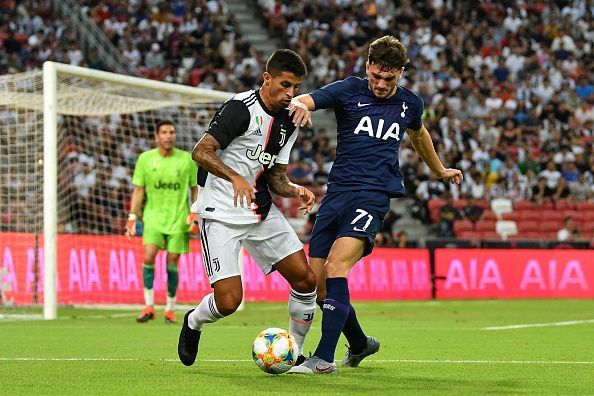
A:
{"x":131,"y":226}
{"x":242,"y":192}
{"x":301,"y":116}
{"x":192,"y":221}
{"x":307,"y":199}
{"x":452,"y":175}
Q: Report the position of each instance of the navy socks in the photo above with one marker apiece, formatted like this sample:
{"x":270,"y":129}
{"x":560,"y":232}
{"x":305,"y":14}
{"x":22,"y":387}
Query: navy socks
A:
{"x":335,"y":314}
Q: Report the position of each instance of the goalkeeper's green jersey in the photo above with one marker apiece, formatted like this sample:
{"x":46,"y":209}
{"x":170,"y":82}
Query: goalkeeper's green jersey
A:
{"x":166,"y":181}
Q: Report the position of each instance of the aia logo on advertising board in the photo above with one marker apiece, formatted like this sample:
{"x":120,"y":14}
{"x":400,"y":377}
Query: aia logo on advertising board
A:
{"x":469,"y":273}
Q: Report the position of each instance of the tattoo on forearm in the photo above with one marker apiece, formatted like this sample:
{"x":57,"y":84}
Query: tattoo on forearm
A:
{"x":279,"y":182}
{"x":211,"y":163}
{"x":205,"y":154}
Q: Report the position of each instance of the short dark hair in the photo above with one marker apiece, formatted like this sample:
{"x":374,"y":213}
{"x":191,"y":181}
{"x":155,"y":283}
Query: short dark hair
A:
{"x":163,"y":122}
{"x":286,"y":60}
{"x":388,"y":53}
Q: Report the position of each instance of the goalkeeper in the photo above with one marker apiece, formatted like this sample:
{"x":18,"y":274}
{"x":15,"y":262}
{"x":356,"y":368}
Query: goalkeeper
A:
{"x":164,"y":174}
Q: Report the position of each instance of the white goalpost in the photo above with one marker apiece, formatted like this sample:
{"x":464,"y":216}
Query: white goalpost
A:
{"x":91,"y":125}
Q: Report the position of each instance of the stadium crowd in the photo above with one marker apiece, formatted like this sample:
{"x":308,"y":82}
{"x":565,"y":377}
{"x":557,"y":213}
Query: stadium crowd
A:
{"x":508,"y":86}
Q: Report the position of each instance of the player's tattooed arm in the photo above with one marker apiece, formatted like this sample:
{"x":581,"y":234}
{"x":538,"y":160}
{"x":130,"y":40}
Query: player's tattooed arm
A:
{"x":279,"y":183}
{"x":205,"y":154}
{"x":423,"y":145}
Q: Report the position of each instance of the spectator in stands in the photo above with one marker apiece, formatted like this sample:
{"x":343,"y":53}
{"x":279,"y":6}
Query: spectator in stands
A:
{"x":383,"y":240}
{"x":447,"y":215}
{"x":473,"y":212}
{"x":562,"y":191}
{"x":154,"y":58}
{"x":301,"y":173}
{"x":541,"y":193}
{"x":551,"y":175}
{"x":580,"y":189}
{"x":402,"y":241}
{"x":570,"y":231}
{"x":570,"y":172}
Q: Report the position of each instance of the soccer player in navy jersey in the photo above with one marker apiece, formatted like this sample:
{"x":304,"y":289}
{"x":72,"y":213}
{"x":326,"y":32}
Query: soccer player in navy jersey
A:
{"x":372,"y":115}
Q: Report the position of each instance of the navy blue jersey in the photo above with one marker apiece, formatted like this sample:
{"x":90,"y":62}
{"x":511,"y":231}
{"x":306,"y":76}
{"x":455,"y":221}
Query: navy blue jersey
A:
{"x":369,"y":134}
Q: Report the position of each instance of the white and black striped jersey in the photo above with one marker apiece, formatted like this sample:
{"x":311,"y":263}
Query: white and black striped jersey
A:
{"x":252,"y":140}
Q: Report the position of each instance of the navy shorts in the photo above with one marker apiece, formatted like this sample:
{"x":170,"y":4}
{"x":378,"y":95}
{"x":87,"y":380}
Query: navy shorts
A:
{"x":358,"y":214}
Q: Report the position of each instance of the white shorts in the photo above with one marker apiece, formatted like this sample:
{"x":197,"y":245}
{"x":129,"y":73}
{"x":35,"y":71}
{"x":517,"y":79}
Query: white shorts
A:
{"x":268,"y":242}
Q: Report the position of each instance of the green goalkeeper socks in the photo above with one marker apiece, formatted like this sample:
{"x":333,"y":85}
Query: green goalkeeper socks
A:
{"x":148,"y":275}
{"x":172,"y":280}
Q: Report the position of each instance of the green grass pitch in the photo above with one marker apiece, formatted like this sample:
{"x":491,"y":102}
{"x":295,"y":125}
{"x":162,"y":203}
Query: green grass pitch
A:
{"x":427,"y":347}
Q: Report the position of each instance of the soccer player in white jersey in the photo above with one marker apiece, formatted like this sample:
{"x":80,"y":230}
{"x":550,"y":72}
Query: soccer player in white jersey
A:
{"x":372,"y":115}
{"x":242,"y":157}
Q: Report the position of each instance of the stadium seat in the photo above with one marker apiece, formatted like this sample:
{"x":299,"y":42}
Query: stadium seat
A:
{"x":483,"y":203}
{"x":526,"y":226}
{"x":501,"y":205}
{"x":435,"y":203}
{"x":468,"y":235}
{"x":523,"y":205}
{"x":530,"y":215}
{"x":460,"y":204}
{"x":537,"y":235}
{"x":463,"y":225}
{"x":513,"y":216}
{"x":550,"y":225}
{"x":584,"y":206}
{"x":564,"y":205}
{"x":572,"y":213}
{"x":587,"y":227}
{"x":489,"y":215}
{"x":434,"y":215}
{"x":485,"y":225}
{"x":506,"y":228}
{"x":489,"y":235}
{"x":551,"y":215}
{"x":548,"y":205}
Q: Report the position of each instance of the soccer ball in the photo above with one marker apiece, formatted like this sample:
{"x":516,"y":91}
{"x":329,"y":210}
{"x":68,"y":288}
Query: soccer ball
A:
{"x":275,"y":351}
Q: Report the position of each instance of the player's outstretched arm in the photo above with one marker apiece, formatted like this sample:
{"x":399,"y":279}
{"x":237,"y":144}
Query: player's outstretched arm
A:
{"x":205,"y":154}
{"x":135,"y":204}
{"x":300,"y":108}
{"x":423,"y":145}
{"x":279,"y":183}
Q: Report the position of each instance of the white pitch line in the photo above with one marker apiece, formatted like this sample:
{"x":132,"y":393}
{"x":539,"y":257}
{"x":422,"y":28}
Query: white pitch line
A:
{"x":5,"y":318}
{"x":398,"y":361}
{"x":524,"y":326}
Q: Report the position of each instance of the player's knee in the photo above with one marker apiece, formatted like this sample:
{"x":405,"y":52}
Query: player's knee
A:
{"x":336,"y":269}
{"x":149,"y":260}
{"x":306,"y":284}
{"x":229,"y":303}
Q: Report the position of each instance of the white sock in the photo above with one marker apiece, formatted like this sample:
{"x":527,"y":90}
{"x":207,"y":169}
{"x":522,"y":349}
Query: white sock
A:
{"x":302,"y":307}
{"x":170,"y":304}
{"x":149,"y":297}
{"x":206,"y":312}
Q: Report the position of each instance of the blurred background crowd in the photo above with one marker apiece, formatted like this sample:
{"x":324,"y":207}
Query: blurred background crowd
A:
{"x":508,"y":89}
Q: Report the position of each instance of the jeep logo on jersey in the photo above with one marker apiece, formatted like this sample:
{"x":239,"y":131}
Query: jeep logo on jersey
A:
{"x":262,"y":157}
{"x":167,"y":186}
{"x":365,"y":125}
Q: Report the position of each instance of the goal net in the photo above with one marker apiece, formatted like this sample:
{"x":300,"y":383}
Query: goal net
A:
{"x":66,"y":165}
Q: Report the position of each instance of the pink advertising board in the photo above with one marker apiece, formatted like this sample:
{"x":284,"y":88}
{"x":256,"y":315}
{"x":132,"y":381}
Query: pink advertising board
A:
{"x":108,"y":269}
{"x":521,"y":273}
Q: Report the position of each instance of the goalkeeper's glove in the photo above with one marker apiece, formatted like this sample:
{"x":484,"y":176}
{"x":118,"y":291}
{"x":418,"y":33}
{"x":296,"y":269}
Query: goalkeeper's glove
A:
{"x":192,"y":221}
{"x":131,"y":225}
